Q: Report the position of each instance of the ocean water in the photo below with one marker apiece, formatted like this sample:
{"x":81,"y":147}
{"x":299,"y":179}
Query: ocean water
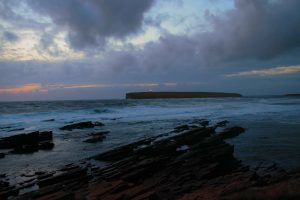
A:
{"x":272,"y":123}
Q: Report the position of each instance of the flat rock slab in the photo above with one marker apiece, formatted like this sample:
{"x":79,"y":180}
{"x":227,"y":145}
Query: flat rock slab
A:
{"x":196,"y":164}
{"x":81,"y":125}
{"x":28,"y":143}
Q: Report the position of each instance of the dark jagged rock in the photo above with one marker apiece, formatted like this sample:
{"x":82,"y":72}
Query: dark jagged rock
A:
{"x":17,"y":141}
{"x":23,"y":149}
{"x":181,"y":128}
{"x":80,"y":125}
{"x":202,"y":122}
{"x":17,"y":129}
{"x":49,"y":120}
{"x":39,"y":173}
{"x":96,"y":137}
{"x":5,"y":127}
{"x":162,"y":169}
{"x":71,"y":174}
{"x":46,"y":145}
{"x":45,"y":135}
{"x":231,"y":132}
{"x":28,"y":143}
{"x":2,"y":155}
{"x":99,"y":133}
{"x":222,"y":123}
{"x":98,"y":124}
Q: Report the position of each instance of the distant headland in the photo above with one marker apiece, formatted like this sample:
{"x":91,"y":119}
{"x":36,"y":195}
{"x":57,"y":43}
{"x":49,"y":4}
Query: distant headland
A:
{"x":293,"y":95}
{"x":164,"y":95}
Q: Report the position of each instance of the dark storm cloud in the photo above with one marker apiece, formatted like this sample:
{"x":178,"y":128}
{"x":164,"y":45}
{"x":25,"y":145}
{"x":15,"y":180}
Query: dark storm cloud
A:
{"x":255,"y":34}
{"x":255,"y":30}
{"x":90,"y":23}
{"x":9,"y":36}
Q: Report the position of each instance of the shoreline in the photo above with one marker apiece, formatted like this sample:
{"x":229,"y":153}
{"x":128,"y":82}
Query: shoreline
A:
{"x":188,"y":163}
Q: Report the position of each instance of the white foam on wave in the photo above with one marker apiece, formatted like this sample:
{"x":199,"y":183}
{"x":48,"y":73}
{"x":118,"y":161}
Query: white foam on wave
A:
{"x":158,"y":110}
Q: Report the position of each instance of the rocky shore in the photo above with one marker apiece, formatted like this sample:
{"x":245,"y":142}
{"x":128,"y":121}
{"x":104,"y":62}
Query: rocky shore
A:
{"x":192,"y":162}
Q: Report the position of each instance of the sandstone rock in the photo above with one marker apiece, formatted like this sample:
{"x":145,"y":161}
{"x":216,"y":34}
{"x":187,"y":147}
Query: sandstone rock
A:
{"x":153,"y":168}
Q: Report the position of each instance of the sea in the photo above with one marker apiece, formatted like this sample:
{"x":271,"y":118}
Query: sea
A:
{"x":272,"y":126}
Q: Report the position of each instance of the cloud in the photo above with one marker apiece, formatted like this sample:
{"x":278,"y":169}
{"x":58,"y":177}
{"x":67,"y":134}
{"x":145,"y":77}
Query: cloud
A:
{"x":90,"y":23}
{"x":80,"y":86}
{"x":257,"y":31}
{"x":33,"y":87}
{"x":9,"y":36}
{"x":268,"y":72}
{"x":37,"y":87}
{"x":246,"y":36}
{"x":83,"y":86}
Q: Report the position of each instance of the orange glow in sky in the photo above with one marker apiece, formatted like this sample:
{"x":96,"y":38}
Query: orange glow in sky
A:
{"x":32,"y":87}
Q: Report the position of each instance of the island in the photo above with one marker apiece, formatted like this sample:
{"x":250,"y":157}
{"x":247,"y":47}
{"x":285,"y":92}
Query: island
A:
{"x":163,"y":95}
{"x":293,"y":95}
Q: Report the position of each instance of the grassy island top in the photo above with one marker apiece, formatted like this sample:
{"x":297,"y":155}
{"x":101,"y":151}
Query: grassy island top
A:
{"x":162,"y":95}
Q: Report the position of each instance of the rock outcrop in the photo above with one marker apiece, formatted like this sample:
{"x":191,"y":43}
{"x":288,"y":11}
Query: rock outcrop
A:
{"x":28,"y":143}
{"x":81,"y":125}
{"x":195,"y":164}
{"x":96,"y":137}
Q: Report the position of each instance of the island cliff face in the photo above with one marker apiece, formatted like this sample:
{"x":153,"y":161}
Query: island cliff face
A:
{"x":163,"y":95}
{"x":293,"y":95}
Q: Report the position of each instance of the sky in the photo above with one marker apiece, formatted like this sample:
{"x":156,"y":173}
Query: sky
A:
{"x":101,"y":49}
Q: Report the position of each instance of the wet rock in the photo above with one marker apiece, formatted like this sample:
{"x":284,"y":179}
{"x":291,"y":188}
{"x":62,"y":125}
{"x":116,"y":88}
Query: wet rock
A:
{"x":204,"y":123}
{"x":96,"y":137}
{"x":49,"y":120}
{"x":39,"y":173}
{"x":80,"y":125}
{"x":231,"y":132}
{"x":181,"y":128}
{"x":46,"y":145}
{"x":45,"y":135}
{"x":17,"y":141}
{"x":222,"y":123}
{"x":201,"y":122}
{"x":46,"y":175}
{"x":27,"y":143}
{"x":72,"y":174}
{"x":2,"y":155}
{"x":26,"y":148}
{"x":5,"y":127}
{"x":8,"y":192}
{"x":196,"y":164}
{"x":17,"y":129}
{"x":98,"y":124}
{"x":99,"y":133}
